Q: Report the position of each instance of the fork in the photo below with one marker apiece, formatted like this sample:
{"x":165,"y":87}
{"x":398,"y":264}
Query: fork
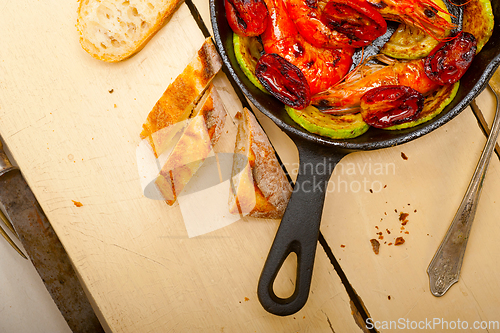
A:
{"x":445,"y":267}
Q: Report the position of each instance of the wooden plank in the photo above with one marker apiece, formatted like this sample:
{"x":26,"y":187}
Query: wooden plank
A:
{"x":429,"y":186}
{"x":432,"y":181}
{"x":72,"y":123}
{"x":285,"y":148}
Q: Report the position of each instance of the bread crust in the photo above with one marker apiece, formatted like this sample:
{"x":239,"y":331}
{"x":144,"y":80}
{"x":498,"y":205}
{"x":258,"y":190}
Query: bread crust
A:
{"x":104,"y":37}
{"x":194,"y":145}
{"x":178,"y":101}
{"x":260,"y":187}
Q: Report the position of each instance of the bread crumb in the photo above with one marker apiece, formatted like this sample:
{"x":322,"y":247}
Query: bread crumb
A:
{"x":247,"y":299}
{"x":388,"y":231}
{"x":110,"y":91}
{"x":399,"y":241}
{"x":77,"y":203}
{"x":342,"y":245}
{"x":389,"y":297}
{"x":375,"y":245}
{"x":403,"y":156}
{"x":403,"y":218}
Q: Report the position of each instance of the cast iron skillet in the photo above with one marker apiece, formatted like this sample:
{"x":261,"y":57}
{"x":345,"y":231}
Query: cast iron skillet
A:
{"x":299,"y":228}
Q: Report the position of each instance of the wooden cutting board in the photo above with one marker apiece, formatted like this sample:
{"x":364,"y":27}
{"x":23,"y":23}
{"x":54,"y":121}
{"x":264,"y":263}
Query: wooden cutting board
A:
{"x":72,"y":123}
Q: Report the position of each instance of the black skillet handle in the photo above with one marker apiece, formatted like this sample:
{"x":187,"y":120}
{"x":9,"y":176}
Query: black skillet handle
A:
{"x":299,"y":230}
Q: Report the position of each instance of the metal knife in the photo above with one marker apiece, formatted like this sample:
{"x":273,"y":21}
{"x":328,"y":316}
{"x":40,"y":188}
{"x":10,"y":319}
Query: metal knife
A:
{"x":45,"y":249}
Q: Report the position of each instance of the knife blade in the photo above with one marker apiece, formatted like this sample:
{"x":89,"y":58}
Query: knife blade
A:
{"x":45,"y":249}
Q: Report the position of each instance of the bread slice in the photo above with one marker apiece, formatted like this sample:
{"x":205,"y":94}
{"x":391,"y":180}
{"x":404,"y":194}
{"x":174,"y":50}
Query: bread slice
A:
{"x":113,"y":30}
{"x":194,"y":145}
{"x":259,"y":187}
{"x":178,"y":101}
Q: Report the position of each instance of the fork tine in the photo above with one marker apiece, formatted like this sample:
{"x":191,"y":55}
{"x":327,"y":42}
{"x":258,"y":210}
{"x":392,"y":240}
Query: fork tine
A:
{"x":7,"y":223}
{"x":9,"y":240}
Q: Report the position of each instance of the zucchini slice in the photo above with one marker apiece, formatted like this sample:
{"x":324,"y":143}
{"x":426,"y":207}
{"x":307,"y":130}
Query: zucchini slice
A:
{"x":333,"y":126}
{"x":433,"y":105}
{"x":479,"y":21}
{"x":409,"y":42}
{"x":247,"y":51}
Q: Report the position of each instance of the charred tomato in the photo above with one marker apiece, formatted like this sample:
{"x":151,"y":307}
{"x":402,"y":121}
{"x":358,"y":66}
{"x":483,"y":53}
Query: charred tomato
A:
{"x":356,"y":19}
{"x":283,"y":80}
{"x":449,"y":60}
{"x":390,"y":105}
{"x":246,"y":17}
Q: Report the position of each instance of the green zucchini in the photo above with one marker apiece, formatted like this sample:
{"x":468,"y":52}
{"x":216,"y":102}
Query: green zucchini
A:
{"x":409,"y":42}
{"x":333,"y":126}
{"x":247,"y":51}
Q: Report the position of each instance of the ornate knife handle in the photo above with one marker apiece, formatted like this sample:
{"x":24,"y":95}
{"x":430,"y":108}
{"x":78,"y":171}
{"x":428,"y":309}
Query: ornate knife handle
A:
{"x":444,"y":268}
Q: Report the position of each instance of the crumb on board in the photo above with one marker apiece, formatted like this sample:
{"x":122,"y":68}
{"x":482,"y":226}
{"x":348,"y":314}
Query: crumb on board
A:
{"x":247,"y":299}
{"x":403,"y":217}
{"x":342,"y":245}
{"x":399,"y":241}
{"x":375,"y":245}
{"x":77,"y":203}
{"x":389,"y":297}
{"x":110,"y":91}
{"x":403,"y":156}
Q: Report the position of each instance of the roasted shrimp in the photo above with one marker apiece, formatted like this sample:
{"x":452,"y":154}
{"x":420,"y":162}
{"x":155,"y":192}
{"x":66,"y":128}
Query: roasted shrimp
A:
{"x":321,"y":67}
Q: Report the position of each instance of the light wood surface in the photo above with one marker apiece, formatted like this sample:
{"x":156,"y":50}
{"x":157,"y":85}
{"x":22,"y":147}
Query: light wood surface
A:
{"x":76,"y":141}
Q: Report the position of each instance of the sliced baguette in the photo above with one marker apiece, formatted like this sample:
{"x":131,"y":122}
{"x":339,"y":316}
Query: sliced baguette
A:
{"x":193,"y":147}
{"x":113,"y":30}
{"x":178,"y":101}
{"x":259,"y":185}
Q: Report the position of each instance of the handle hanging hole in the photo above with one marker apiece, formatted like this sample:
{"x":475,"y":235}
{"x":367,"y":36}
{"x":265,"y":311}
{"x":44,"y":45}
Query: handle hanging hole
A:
{"x":284,"y":284}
